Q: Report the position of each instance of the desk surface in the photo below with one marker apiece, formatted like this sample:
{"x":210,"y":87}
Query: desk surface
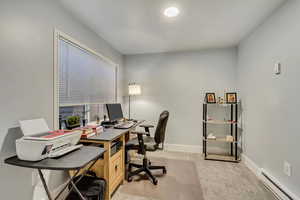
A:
{"x":110,"y":134}
{"x":74,"y":160}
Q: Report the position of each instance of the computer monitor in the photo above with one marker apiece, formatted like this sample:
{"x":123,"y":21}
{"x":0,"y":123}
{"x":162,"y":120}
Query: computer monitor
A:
{"x":114,"y":111}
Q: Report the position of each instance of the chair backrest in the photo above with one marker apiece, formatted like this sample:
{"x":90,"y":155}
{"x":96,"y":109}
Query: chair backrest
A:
{"x":160,"y":131}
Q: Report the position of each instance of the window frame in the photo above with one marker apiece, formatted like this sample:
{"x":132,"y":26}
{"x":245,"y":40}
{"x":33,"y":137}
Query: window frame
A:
{"x":59,"y":35}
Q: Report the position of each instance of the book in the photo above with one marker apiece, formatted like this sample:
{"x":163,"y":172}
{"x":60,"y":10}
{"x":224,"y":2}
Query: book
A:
{"x":88,"y":135}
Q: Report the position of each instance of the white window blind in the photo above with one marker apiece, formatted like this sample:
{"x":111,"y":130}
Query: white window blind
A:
{"x":84,"y":78}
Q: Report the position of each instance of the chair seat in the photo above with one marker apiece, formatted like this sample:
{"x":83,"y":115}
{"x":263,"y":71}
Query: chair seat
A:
{"x":148,"y":141}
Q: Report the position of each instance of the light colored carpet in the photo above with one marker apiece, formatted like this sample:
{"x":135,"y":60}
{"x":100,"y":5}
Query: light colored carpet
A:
{"x":190,"y":177}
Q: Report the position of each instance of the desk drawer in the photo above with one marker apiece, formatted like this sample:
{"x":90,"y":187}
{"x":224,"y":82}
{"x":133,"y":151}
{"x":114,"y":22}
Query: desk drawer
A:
{"x":116,"y":167}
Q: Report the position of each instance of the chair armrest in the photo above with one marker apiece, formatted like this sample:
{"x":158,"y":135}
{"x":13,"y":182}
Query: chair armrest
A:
{"x":138,"y":133}
{"x":146,"y":126}
{"x":142,"y":146}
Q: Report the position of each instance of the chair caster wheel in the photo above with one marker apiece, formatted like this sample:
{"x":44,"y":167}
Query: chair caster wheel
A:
{"x":155,"y":182}
{"x":164,"y":171}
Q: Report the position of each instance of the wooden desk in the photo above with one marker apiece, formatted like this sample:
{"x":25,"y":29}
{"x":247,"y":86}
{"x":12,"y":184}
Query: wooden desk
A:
{"x":111,"y":168}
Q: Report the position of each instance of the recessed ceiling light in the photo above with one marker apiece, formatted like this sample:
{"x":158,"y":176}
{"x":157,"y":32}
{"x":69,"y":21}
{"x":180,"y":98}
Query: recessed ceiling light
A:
{"x":171,"y":12}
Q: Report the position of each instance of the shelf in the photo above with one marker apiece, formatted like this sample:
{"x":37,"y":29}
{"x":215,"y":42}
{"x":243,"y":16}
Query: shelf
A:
{"x":221,"y":158}
{"x":218,"y":122}
{"x":219,"y":139}
{"x":232,"y":122}
{"x":221,"y":104}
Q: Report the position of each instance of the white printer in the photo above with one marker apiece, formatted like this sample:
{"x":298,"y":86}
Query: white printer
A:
{"x":39,"y":142}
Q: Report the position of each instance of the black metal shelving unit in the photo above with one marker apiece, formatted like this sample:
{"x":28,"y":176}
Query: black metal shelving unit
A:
{"x":233,"y":156}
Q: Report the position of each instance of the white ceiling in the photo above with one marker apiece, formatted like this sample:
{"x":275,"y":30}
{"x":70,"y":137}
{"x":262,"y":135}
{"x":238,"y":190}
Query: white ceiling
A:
{"x":139,"y":26}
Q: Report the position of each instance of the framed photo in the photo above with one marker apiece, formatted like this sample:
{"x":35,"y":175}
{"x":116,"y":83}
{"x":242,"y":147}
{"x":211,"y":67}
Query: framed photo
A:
{"x":210,"y":98}
{"x":231,"y":98}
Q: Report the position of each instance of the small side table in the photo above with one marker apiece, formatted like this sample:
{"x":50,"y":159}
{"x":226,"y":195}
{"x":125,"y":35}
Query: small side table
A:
{"x":75,"y":160}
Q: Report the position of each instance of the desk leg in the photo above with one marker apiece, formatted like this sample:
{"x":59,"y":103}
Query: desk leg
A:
{"x":123,"y":138}
{"x":44,"y":184}
{"x":107,"y":172}
{"x":70,"y":181}
{"x":78,"y":192}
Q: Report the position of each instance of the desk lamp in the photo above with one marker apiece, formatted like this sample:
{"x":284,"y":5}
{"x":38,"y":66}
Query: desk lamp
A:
{"x":133,"y":90}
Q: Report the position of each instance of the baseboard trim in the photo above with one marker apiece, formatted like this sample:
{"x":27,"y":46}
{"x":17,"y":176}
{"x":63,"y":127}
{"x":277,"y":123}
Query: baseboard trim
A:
{"x":183,"y":148}
{"x":258,"y":172}
{"x":251,"y":165}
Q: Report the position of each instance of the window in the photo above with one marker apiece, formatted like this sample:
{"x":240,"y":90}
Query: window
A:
{"x":85,"y":80}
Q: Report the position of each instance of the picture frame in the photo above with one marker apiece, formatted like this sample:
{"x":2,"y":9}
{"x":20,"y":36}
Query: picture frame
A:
{"x":210,"y":98}
{"x":231,"y":98}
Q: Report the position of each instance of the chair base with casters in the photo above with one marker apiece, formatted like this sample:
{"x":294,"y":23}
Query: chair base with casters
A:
{"x":146,"y":168}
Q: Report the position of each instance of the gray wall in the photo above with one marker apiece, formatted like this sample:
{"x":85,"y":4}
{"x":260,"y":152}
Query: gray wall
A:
{"x":177,"y":82}
{"x":26,"y":75}
{"x":271,"y":103}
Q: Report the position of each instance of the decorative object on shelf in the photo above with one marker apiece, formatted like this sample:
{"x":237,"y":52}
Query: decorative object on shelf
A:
{"x":133,"y":90}
{"x":211,"y":137}
{"x":210,"y":98}
{"x":221,"y":100}
{"x":229,"y":138}
{"x":231,"y":98}
{"x":233,"y":154}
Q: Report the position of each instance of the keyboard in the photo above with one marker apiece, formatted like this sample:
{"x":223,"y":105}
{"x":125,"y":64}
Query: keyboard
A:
{"x":124,"y":125}
{"x":65,"y":151}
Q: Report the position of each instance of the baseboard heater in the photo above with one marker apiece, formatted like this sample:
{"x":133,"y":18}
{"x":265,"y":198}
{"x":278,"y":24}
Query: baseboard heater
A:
{"x":276,"y":188}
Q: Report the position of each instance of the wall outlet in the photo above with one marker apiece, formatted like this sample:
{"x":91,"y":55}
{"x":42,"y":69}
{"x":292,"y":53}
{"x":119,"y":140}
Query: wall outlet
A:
{"x":287,"y":168}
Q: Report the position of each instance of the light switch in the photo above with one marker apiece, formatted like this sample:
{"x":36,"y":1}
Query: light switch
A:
{"x":277,"y":69}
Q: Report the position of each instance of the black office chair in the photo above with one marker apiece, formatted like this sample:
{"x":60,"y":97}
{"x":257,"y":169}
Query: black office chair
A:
{"x":144,"y":143}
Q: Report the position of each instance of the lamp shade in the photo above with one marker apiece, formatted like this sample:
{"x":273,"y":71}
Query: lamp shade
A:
{"x":134,"y":89}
